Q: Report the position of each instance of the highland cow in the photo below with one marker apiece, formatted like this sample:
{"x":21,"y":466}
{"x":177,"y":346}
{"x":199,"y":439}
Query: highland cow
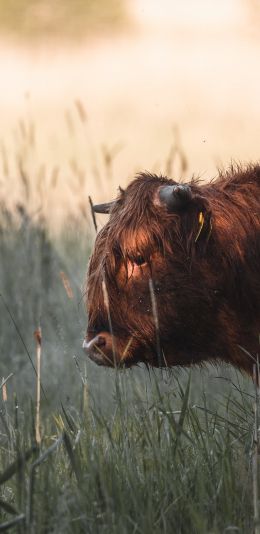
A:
{"x":174,"y":278}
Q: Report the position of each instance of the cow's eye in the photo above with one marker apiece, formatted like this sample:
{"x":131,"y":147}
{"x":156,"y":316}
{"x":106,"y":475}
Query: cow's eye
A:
{"x":139,"y":260}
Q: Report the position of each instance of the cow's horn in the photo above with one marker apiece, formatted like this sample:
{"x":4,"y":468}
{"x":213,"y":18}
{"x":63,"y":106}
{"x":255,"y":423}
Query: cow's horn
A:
{"x":104,"y":208}
{"x":176,"y":197}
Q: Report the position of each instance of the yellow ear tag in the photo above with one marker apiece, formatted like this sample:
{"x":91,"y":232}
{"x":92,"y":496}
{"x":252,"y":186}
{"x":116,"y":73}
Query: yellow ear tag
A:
{"x":201,"y":224}
{"x":201,"y":218}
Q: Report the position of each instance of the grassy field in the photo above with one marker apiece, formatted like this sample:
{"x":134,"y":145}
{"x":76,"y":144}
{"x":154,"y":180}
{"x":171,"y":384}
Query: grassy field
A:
{"x":143,"y":467}
{"x":119,"y":452}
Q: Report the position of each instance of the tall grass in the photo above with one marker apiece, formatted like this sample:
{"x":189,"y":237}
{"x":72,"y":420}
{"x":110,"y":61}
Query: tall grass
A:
{"x":126,"y":451}
{"x":155,"y":463}
{"x":116,"y":451}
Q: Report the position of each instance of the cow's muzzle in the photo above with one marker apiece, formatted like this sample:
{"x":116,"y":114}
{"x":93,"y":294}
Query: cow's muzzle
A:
{"x":97,"y":348}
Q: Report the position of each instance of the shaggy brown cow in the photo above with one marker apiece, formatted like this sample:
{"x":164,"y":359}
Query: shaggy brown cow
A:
{"x":174,"y":278}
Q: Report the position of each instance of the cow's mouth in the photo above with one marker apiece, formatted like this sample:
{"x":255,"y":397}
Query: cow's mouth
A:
{"x":97,"y":358}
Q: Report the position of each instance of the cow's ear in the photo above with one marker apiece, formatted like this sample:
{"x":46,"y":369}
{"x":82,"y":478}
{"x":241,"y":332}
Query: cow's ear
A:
{"x":197,"y":223}
{"x":204,"y":227}
{"x":193,"y":210}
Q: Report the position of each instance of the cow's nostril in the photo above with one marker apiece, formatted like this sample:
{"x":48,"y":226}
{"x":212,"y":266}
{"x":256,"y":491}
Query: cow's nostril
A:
{"x":99,"y":341}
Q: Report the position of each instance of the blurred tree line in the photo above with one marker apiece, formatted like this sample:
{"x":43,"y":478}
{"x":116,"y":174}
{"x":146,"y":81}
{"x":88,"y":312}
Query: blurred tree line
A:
{"x":57,"y":19}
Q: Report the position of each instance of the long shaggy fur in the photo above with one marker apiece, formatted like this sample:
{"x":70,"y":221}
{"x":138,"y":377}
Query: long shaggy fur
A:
{"x":204,"y":263}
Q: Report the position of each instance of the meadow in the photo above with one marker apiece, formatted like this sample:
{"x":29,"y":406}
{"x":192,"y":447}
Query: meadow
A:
{"x":91,"y":450}
{"x":126,"y":451}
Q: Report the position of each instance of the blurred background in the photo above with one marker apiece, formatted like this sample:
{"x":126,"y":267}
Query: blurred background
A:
{"x":92,"y":92}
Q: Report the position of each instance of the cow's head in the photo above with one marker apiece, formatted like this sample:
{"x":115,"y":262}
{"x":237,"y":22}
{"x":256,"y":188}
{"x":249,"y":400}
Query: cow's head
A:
{"x":148,"y":280}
